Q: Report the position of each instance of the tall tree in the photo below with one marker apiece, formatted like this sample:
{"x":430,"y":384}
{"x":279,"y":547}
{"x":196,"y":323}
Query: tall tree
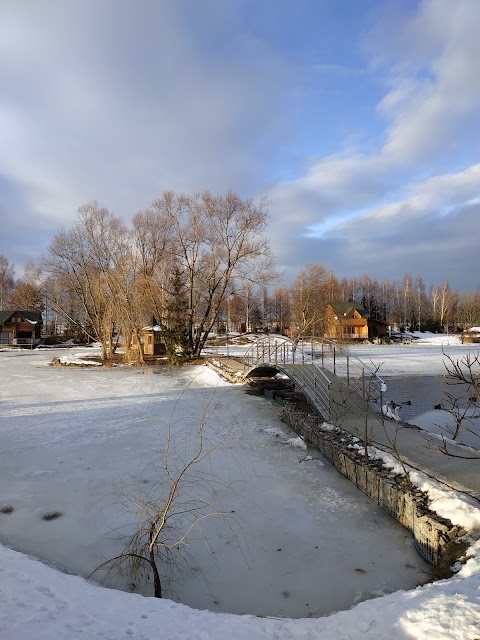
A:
{"x":90,"y":261}
{"x":218,"y":243}
{"x":7,"y":280}
{"x":176,"y":313}
{"x":468,"y":311}
{"x":27,"y":297}
{"x":280,"y":303}
{"x":309,"y":297}
{"x":27,"y":293}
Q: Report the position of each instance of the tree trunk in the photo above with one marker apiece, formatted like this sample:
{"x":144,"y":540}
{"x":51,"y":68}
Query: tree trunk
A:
{"x":157,"y":584}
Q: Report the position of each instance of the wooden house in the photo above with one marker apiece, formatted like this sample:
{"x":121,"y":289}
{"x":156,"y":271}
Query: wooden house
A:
{"x":471,"y":335}
{"x":20,"y":328}
{"x":350,"y":321}
{"x":152,"y":341}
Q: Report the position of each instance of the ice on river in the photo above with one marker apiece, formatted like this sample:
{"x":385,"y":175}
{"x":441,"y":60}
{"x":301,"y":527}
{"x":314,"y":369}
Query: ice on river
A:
{"x":305,"y":541}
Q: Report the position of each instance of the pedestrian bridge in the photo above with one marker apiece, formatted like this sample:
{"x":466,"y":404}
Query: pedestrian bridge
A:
{"x":333,"y":378}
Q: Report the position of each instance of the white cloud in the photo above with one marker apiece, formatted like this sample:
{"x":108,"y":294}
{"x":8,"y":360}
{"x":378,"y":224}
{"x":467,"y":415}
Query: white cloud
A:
{"x":434,"y":96}
{"x":118,"y":105}
{"x":119,"y":102}
{"x":354,"y":202}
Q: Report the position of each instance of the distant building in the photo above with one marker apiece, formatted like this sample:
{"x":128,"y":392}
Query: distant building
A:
{"x":20,"y":328}
{"x":471,"y":335}
{"x":350,"y":321}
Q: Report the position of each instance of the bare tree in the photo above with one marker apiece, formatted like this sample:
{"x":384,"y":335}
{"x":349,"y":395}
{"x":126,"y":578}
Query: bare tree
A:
{"x":309,"y":297}
{"x":7,"y":280}
{"x":468,"y":312}
{"x":27,"y":297}
{"x":280,"y":309}
{"x":89,"y":260}
{"x":219,"y":245}
{"x":185,"y":494}
{"x":443,"y":301}
{"x":462,"y":402}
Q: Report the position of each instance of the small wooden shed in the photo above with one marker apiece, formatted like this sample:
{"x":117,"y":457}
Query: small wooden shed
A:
{"x":152,"y":340}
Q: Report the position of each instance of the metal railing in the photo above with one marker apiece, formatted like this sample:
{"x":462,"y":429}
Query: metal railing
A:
{"x":18,"y":342}
{"x":311,"y":361}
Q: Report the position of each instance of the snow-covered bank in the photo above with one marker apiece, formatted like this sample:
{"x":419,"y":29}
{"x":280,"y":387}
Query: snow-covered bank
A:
{"x":39,"y":602}
{"x":64,"y":439}
{"x":310,"y":542}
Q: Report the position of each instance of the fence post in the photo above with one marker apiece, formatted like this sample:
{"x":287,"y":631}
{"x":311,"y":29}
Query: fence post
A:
{"x":348,"y":370}
{"x":334,"y":361}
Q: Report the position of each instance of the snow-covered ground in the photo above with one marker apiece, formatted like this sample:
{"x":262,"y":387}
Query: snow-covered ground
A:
{"x":415,"y":373}
{"x":68,"y":437}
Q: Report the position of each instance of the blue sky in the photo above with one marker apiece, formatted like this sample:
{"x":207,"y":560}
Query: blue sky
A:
{"x":358,"y":120}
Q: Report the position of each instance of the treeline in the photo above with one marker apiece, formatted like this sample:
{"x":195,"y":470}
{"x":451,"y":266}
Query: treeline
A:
{"x":197,"y":264}
{"x":407,"y":303}
{"x":175,"y":266}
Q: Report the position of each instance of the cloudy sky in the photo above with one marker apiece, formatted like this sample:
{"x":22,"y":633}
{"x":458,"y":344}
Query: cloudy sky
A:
{"x":358,"y":120}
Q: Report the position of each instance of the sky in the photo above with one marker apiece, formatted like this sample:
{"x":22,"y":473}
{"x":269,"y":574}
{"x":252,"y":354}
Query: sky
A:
{"x":356,"y":120}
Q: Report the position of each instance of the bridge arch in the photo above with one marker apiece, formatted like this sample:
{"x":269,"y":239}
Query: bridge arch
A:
{"x":265,"y":370}
{"x":325,"y":371}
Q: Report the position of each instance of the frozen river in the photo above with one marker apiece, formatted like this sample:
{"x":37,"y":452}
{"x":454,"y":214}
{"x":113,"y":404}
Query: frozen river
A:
{"x":305,"y":541}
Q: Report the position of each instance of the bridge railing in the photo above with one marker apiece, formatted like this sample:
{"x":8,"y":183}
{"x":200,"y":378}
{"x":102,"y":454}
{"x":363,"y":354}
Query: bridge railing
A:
{"x":295,"y":362}
{"x":353,"y":372}
{"x":310,"y":361}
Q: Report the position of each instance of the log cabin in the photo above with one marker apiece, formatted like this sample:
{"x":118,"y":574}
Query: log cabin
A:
{"x":20,"y":328}
{"x":350,"y":321}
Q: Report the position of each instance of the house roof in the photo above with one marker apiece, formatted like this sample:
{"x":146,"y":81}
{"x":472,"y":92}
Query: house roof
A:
{"x":472,"y":330}
{"x":31,"y":316}
{"x":341,"y":308}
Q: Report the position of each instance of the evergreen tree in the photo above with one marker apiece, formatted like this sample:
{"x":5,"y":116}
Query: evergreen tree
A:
{"x":176,"y":318}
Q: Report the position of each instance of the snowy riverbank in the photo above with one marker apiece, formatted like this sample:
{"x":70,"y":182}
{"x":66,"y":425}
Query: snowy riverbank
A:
{"x":87,"y":421}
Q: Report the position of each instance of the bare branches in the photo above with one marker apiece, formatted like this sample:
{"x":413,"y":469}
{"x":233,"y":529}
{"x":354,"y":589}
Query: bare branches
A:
{"x":217,"y":243}
{"x":462,"y":407}
{"x":310,"y":295}
{"x":181,"y":492}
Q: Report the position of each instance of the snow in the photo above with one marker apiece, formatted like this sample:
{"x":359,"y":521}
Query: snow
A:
{"x":68,"y":434}
{"x":79,"y":436}
{"x":39,"y":602}
{"x":461,"y":509}
{"x":423,"y":356}
{"x":80,"y":358}
{"x":415,"y":372}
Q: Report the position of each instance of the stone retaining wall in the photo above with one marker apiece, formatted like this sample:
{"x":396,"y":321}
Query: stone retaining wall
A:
{"x":224,"y":370}
{"x":435,"y":537}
